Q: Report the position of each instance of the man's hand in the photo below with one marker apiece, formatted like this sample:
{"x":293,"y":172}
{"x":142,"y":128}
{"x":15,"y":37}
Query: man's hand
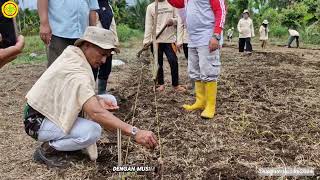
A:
{"x":213,"y":44}
{"x":179,"y":47}
{"x":45,"y":33}
{"x":108,"y":104}
{"x":20,"y":43}
{"x":146,"y":138}
{"x":117,"y":50}
{"x":170,"y":22}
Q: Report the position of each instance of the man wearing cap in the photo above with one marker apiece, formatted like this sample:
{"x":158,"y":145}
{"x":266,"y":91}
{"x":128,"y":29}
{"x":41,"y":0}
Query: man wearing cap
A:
{"x":246,"y":32}
{"x":63,"y":22}
{"x":67,"y":88}
{"x":205,"y":22}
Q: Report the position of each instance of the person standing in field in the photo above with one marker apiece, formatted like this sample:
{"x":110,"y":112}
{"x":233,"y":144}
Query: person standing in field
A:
{"x":63,"y":22}
{"x":205,"y":22}
{"x":246,"y":32}
{"x":167,"y":16}
{"x":230,"y":34}
{"x":264,"y":31}
{"x":294,"y":35}
{"x":105,"y":19}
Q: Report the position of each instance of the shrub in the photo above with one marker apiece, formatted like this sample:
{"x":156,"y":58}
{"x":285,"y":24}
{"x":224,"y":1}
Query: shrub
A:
{"x":125,"y":33}
{"x":278,"y":31}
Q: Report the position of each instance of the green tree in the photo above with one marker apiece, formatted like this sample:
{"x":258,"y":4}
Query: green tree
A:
{"x":294,"y":16}
{"x":137,"y":14}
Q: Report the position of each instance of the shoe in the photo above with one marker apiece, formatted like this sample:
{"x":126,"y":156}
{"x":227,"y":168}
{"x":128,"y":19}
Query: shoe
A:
{"x":92,"y":151}
{"x":46,"y":154}
{"x":211,"y":94}
{"x":200,"y":98}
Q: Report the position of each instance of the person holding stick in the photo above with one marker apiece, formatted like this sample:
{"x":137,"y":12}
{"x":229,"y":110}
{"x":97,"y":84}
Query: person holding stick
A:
{"x":167,"y":19}
{"x":205,"y":22}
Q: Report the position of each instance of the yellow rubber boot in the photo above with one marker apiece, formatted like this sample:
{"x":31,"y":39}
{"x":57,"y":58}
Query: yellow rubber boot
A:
{"x":200,"y":98}
{"x":211,"y":95}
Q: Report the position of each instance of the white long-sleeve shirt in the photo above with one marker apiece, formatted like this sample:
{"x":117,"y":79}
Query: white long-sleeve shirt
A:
{"x":182,"y":36}
{"x":246,"y":28}
{"x":165,"y":12}
{"x":263,"y":33}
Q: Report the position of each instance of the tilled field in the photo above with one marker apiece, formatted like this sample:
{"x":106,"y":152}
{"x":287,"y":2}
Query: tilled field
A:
{"x":268,"y":115}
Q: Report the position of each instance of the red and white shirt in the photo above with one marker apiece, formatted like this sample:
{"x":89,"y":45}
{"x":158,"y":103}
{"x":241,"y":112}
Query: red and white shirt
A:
{"x":203,"y":18}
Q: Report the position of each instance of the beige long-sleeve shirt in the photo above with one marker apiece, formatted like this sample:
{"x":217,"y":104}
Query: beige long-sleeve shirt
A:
{"x":166,"y":11}
{"x":246,"y":28}
{"x":63,"y":88}
{"x":182,"y":35}
{"x":263,"y":33}
{"x":293,"y":32}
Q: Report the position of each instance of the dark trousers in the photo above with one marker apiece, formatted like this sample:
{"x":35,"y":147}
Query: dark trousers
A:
{"x":167,"y":49}
{"x":291,"y":39}
{"x":57,"y":46}
{"x":104,"y":70}
{"x":185,"y":50}
{"x":245,"y":42}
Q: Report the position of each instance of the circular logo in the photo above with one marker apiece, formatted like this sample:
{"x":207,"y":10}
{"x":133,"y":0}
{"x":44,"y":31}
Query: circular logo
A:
{"x":10,"y":9}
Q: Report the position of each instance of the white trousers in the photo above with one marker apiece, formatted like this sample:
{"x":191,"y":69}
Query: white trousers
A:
{"x":83,"y":133}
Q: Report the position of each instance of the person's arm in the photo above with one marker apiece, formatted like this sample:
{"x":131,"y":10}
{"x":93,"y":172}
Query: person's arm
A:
{"x":239,"y":27}
{"x":175,"y":16}
{"x":10,"y":53}
{"x":261,"y":30}
{"x":252,"y":29}
{"x":45,"y":29}
{"x":113,"y":28}
{"x":220,"y":11}
{"x":93,"y":5}
{"x":93,"y":18}
{"x":180,"y":32}
{"x":108,"y":121}
{"x":148,"y":26}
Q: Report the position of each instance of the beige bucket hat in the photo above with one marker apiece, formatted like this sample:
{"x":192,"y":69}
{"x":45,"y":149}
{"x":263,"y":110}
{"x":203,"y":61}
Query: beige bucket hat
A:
{"x":246,"y":11}
{"x":103,"y":38}
{"x":265,"y":22}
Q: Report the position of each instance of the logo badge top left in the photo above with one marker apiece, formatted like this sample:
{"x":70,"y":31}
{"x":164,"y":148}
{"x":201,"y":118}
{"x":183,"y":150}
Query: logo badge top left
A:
{"x":10,"y":9}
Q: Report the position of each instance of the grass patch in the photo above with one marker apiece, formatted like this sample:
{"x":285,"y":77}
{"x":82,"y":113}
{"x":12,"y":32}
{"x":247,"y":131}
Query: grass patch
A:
{"x":33,"y":45}
{"x":127,"y":35}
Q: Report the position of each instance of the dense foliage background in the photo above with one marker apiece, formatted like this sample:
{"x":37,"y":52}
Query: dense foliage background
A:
{"x":304,"y":15}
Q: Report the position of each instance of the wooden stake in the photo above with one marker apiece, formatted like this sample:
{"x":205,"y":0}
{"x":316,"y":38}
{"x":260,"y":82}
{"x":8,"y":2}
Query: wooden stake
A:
{"x":119,"y":150}
{"x":155,"y":44}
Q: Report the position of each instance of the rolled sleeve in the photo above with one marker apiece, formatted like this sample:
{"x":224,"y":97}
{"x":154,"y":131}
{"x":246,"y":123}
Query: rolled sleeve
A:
{"x":85,"y":92}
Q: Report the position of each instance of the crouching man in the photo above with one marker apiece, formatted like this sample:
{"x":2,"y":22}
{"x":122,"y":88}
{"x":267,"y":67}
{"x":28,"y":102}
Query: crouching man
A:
{"x":67,"y":88}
